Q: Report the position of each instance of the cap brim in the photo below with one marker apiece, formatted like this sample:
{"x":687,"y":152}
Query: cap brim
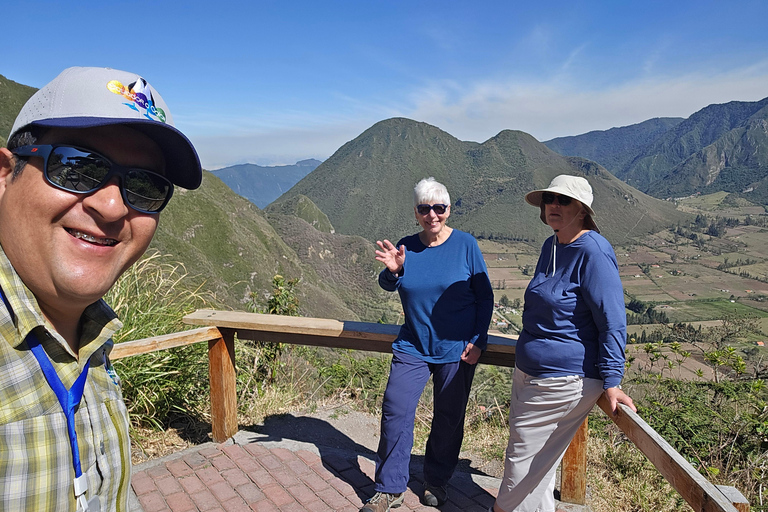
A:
{"x":182,"y":164}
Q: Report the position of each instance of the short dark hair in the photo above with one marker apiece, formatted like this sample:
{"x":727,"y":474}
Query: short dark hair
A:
{"x":26,"y":137}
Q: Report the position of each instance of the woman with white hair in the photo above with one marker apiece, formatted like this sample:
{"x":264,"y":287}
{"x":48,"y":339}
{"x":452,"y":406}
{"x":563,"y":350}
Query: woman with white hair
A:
{"x":571,"y":348}
{"x":448,"y":302}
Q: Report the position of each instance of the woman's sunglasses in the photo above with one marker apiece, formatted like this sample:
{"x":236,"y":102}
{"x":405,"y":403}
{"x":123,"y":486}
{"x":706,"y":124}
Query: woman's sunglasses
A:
{"x":549,"y":198}
{"x":83,"y":171}
{"x":424,"y":209}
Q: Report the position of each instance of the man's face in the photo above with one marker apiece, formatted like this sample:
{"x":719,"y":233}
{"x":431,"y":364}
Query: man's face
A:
{"x":69,"y":249}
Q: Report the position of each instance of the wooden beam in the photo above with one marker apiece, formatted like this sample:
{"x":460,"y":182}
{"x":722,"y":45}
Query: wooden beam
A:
{"x":323,"y":332}
{"x":573,"y":474}
{"x":700,"y":494}
{"x":221,"y":372}
{"x":177,"y":339}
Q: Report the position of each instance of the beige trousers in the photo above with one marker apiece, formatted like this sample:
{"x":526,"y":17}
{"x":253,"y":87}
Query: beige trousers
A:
{"x":544,"y":415}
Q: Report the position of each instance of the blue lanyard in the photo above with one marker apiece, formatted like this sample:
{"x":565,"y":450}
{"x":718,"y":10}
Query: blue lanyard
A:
{"x":68,"y":399}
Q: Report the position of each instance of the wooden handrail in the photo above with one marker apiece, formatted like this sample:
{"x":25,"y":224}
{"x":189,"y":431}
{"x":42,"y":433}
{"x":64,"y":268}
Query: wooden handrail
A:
{"x":220,"y":328}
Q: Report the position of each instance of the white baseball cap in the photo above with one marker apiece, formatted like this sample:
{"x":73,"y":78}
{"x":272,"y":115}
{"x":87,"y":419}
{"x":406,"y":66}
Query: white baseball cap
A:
{"x":87,"y":97}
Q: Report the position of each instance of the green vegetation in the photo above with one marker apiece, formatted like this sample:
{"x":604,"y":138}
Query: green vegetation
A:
{"x":12,"y":98}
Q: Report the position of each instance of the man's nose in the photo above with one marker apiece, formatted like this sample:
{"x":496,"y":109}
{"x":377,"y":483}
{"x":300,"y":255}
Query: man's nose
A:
{"x":107,"y":201}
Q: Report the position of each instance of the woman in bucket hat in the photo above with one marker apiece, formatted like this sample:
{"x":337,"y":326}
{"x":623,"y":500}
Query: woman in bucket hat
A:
{"x":571,"y":348}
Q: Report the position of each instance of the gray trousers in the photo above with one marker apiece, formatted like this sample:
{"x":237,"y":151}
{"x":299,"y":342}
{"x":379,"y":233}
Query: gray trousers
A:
{"x":544,"y":415}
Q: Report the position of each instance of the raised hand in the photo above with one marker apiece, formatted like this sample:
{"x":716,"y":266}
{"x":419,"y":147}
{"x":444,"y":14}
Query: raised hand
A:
{"x":391,"y":256}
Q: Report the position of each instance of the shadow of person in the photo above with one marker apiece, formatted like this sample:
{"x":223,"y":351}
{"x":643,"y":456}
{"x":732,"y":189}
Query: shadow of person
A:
{"x":345,"y":457}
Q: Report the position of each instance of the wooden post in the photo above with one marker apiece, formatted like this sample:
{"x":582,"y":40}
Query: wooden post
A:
{"x":573,"y":470}
{"x":221,"y":372}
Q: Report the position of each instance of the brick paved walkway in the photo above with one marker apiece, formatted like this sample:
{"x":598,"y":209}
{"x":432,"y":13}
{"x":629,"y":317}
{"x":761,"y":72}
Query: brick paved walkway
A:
{"x":248,"y":475}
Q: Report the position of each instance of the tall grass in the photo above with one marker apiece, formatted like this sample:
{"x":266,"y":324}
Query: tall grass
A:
{"x":151,"y":298}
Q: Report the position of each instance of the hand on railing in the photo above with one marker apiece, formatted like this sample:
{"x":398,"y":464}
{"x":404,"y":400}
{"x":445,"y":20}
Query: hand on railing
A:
{"x":616,"y":396}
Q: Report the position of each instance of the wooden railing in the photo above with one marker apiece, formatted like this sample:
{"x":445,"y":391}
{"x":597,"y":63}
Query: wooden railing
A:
{"x":220,"y":328}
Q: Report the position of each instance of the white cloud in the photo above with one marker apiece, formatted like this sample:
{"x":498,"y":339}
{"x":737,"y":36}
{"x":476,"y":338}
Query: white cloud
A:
{"x":558,"y":108}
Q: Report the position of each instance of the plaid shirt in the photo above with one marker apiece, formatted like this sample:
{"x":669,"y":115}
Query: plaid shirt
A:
{"x":36,"y":472}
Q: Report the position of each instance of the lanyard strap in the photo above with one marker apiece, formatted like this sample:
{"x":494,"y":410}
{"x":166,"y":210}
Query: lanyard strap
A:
{"x":69,"y":401}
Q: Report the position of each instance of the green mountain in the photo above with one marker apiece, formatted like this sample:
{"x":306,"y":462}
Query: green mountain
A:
{"x":302,"y":207}
{"x":704,"y":128}
{"x":229,"y":241}
{"x":262,"y":185}
{"x":12,"y":98}
{"x":614,"y":149}
{"x":736,"y":162}
{"x":366,"y":187}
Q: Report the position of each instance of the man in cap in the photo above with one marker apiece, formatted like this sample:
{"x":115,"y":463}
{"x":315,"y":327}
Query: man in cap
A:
{"x":91,"y":161}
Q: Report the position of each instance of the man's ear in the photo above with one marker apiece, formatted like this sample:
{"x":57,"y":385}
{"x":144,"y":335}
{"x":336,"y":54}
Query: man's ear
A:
{"x":7,"y":163}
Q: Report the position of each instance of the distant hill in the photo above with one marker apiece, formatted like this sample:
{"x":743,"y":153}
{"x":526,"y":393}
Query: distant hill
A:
{"x":12,"y":98}
{"x":721,"y":147}
{"x":230,"y":242}
{"x":366,"y":187}
{"x":262,"y":185}
{"x":614,"y":149}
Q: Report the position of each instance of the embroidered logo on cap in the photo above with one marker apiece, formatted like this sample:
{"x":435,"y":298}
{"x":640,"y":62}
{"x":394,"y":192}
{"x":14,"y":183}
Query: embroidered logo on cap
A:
{"x":139,"y":93}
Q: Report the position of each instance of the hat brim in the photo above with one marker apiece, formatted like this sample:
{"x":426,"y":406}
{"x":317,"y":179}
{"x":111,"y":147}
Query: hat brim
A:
{"x":534,"y":199}
{"x":182,"y":164}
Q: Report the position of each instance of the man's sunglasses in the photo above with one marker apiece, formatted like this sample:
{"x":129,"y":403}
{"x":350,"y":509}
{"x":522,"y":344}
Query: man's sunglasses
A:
{"x":549,"y":198}
{"x":83,"y":171}
{"x":424,"y":209}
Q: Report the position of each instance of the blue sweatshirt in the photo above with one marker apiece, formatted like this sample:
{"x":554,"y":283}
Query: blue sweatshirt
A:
{"x":446,"y":295}
{"x":574,"y":321}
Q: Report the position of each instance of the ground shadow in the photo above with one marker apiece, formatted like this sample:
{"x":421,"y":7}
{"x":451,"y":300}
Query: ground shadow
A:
{"x":339,"y":454}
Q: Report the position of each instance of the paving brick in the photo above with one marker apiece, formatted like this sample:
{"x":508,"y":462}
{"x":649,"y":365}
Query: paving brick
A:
{"x":250,"y":492}
{"x":223,"y":462}
{"x":178,"y":468}
{"x":298,"y":466}
{"x":270,"y":462}
{"x":180,"y":502}
{"x":285,"y":478}
{"x":261,"y":477}
{"x":337,"y":463}
{"x":333,"y":498}
{"x":313,"y":481}
{"x":205,"y":500}
{"x":209,"y":452}
{"x":223,"y":491}
{"x":235,"y":504}
{"x":277,"y":495}
{"x":308,"y":457}
{"x":168,"y":485}
{"x":283,"y":454}
{"x":153,"y":502}
{"x":142,"y":483}
{"x":264,"y":506}
{"x":196,"y":461}
{"x":209,"y":476}
{"x":158,"y":471}
{"x":302,"y":493}
{"x":256,"y":450}
{"x":191,"y":484}
{"x":235,"y":477}
{"x":343,"y":487}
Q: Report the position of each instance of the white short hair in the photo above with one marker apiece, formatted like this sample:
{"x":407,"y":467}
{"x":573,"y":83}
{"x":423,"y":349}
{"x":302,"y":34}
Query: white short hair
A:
{"x":430,"y":191}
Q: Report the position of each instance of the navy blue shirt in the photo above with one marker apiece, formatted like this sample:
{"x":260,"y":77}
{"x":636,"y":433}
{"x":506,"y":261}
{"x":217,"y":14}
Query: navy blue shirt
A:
{"x":574,"y":321}
{"x":446,"y":295}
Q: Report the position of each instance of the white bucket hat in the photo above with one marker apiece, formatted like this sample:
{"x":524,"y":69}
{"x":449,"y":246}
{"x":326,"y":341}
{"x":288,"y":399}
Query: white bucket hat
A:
{"x":575,"y":187}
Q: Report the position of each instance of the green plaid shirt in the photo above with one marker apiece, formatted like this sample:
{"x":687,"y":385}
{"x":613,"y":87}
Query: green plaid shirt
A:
{"x":36,"y":472}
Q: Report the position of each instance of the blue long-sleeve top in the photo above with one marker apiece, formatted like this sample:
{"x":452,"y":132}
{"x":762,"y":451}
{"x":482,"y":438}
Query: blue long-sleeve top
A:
{"x":446,"y":295}
{"x":574,"y":321}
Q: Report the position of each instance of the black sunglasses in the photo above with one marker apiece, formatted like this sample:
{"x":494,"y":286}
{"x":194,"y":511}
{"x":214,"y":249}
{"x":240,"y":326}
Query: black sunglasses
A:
{"x":549,"y":198}
{"x":83,"y":171}
{"x":424,"y":209}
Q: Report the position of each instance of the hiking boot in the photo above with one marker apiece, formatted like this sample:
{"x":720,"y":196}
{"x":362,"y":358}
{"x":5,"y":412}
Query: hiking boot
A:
{"x":434,"y":495}
{"x":381,"y":502}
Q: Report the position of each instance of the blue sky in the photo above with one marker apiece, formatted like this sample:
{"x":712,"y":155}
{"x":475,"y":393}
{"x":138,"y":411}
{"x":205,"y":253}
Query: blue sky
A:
{"x":273,"y":82}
